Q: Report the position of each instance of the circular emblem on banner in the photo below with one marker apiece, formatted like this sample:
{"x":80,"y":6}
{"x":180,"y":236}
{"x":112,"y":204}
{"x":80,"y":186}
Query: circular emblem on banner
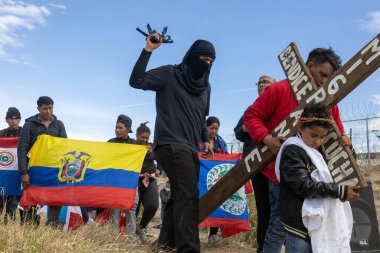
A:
{"x":7,"y":158}
{"x":236,"y":204}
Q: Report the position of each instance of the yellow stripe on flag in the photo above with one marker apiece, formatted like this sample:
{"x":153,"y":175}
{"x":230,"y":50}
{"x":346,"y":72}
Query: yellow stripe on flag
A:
{"x":50,"y":151}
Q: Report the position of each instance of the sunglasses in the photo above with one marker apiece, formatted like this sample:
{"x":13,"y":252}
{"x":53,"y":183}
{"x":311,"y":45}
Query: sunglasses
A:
{"x":266,"y":82}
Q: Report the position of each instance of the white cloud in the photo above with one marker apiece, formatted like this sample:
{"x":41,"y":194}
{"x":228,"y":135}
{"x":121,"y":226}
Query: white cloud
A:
{"x":58,"y":6}
{"x":16,"y":16}
{"x":372,"y":24}
{"x":375,"y":99}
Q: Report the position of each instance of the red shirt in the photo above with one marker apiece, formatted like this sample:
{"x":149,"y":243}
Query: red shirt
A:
{"x":267,"y":112}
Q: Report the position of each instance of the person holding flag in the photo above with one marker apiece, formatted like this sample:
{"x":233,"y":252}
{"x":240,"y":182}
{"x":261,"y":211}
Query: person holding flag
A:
{"x":122,"y":130}
{"x":148,"y":189}
{"x":45,"y":122}
{"x":219,"y":146}
{"x":13,"y":118}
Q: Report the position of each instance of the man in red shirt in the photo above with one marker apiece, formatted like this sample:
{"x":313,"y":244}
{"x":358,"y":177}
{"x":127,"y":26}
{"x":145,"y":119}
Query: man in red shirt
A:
{"x":273,"y":106}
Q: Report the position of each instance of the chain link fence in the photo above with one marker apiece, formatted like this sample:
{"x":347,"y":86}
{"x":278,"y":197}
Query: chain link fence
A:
{"x":365,"y":137}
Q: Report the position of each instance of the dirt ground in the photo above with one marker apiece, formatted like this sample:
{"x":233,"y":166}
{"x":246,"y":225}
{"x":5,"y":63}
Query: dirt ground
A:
{"x":231,"y":245}
{"x":237,"y":244}
{"x":373,"y":173}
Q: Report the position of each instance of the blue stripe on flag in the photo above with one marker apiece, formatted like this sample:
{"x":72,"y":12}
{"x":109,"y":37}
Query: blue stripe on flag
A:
{"x":10,"y":181}
{"x":48,"y":177}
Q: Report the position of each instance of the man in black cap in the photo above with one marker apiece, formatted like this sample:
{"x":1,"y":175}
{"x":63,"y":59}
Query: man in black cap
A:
{"x":13,"y":118}
{"x":122,"y":129}
{"x":182,"y":104}
{"x":45,"y":122}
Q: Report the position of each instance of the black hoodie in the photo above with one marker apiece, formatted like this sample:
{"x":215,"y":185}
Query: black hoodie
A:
{"x":181,"y":113}
{"x":33,"y":128}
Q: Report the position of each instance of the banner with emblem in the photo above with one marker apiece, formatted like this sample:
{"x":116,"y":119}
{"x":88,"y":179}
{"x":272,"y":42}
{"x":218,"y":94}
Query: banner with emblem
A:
{"x":83,"y":173}
{"x":10,"y":180}
{"x":232,"y":215}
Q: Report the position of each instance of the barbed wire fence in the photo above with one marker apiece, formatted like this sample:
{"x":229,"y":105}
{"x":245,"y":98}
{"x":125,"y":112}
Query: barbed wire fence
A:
{"x":361,"y":121}
{"x":365,"y":138}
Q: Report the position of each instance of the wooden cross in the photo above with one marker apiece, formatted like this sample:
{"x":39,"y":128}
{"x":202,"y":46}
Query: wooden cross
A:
{"x":341,"y":163}
{"x":343,"y":166}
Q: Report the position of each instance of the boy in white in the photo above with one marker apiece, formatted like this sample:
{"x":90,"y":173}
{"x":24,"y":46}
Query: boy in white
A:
{"x":313,"y":208}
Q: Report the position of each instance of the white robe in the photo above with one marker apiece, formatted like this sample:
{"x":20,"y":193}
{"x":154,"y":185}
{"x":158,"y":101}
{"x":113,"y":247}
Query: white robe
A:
{"x":328,"y":221}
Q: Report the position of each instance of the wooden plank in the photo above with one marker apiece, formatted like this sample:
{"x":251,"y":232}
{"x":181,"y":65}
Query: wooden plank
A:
{"x":342,"y":164}
{"x":355,"y":71}
{"x":299,"y":77}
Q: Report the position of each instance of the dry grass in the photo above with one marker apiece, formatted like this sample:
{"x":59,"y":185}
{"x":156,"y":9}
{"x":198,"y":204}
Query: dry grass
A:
{"x":93,"y":238}
{"x":97,"y":238}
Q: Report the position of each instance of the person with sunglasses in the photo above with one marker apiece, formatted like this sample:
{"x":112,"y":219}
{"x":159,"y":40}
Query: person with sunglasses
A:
{"x":260,"y":182}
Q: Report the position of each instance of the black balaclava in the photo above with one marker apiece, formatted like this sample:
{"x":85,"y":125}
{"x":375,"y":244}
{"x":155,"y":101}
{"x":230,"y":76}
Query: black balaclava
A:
{"x":193,"y":72}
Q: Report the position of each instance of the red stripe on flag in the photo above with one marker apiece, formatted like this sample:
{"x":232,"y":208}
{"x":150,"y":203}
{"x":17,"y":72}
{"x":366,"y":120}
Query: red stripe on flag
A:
{"x":229,"y":226}
{"x":8,"y":142}
{"x":88,"y":196}
{"x":221,"y":157}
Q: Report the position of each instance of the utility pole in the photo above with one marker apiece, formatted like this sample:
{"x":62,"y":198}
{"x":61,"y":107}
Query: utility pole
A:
{"x":368,"y":151}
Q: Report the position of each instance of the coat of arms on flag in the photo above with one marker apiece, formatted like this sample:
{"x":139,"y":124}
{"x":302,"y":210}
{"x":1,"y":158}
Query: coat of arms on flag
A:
{"x":232,"y":215}
{"x":10,"y":180}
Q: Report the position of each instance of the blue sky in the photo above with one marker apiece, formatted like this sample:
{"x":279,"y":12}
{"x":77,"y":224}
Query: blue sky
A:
{"x":81,"y":53}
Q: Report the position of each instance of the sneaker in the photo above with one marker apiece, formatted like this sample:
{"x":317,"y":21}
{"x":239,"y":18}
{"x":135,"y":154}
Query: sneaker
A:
{"x":130,"y":239}
{"x":90,"y":221}
{"x":159,"y":226}
{"x":141,"y":234}
{"x":214,"y":239}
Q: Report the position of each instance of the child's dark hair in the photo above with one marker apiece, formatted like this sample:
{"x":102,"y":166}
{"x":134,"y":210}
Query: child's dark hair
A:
{"x":143,"y":128}
{"x":321,"y":55}
{"x":315,"y":115}
{"x":212,"y":120}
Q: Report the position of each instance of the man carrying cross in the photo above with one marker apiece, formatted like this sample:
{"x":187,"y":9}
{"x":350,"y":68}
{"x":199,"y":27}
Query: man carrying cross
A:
{"x":273,"y":106}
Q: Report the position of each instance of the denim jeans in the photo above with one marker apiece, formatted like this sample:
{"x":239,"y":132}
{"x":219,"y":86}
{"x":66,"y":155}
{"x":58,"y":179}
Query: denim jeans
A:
{"x":297,"y":245}
{"x":275,"y":236}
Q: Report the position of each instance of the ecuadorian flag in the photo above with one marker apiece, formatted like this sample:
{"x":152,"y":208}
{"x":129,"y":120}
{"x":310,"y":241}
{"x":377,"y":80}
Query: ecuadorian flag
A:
{"x":83,"y":173}
{"x":232,"y":215}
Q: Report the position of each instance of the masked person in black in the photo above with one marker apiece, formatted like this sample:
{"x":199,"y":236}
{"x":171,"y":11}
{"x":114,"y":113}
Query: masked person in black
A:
{"x":182,"y":104}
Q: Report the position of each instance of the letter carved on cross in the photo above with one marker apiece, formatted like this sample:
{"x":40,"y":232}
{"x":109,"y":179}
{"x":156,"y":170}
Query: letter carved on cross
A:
{"x":341,"y":163}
